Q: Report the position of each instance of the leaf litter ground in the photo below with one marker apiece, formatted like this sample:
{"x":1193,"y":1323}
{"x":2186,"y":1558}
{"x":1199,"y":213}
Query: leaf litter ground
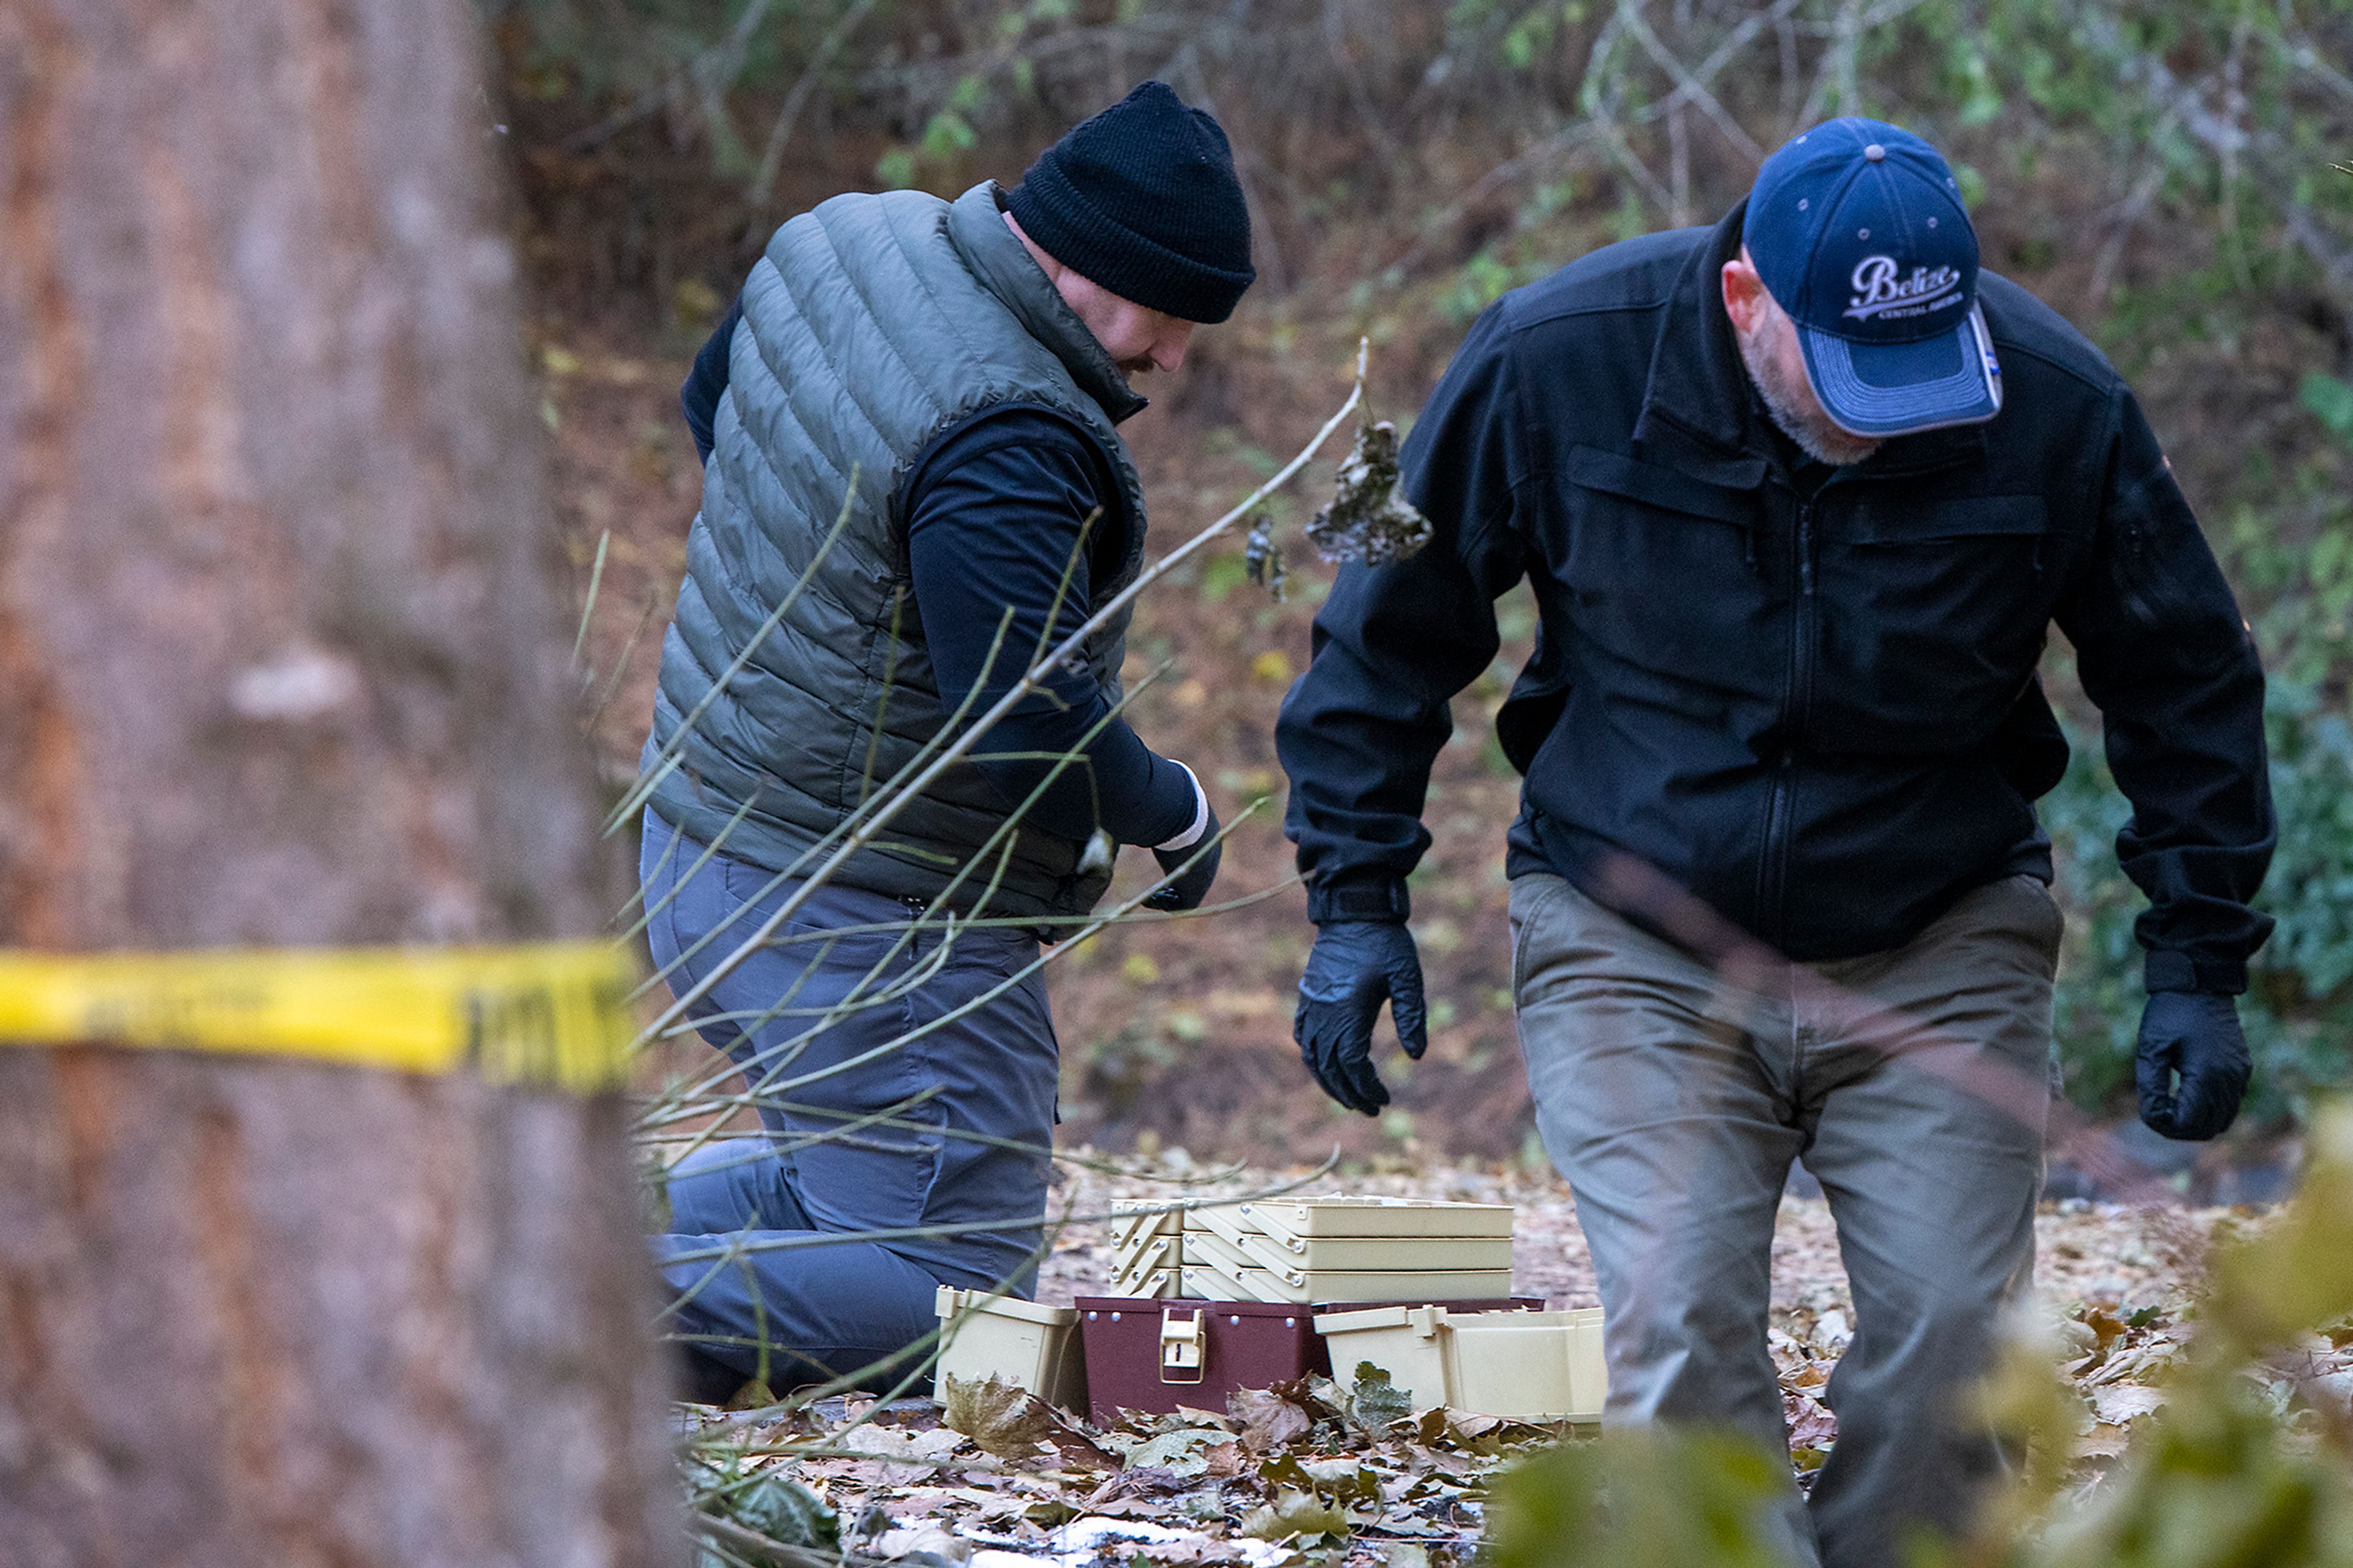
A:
{"x":1342,"y":1473}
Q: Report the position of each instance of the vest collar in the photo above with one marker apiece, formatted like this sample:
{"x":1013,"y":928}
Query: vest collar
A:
{"x":1006,"y":269}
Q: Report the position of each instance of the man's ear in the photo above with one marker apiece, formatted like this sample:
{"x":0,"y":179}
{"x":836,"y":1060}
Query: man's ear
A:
{"x":1744,"y":293}
{"x":1046,"y":264}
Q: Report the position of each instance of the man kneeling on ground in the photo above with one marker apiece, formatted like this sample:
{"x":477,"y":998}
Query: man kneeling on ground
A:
{"x":909,"y":423}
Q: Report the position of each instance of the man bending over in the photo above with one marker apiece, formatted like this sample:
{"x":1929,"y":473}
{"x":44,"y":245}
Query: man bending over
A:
{"x":1800,"y":496}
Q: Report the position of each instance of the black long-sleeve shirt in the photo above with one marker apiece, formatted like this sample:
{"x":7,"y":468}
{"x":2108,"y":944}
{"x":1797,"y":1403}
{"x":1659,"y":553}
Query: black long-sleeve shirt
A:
{"x":706,"y":381}
{"x":995,"y":516}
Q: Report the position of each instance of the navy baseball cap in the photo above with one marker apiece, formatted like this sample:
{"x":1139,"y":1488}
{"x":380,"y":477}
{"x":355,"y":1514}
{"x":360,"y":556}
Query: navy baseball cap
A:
{"x":1857,"y":228}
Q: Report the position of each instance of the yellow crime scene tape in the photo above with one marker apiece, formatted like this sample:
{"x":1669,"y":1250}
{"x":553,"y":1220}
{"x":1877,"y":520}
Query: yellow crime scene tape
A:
{"x":551,"y":1014}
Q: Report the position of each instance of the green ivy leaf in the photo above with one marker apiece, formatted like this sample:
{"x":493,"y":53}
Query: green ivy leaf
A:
{"x":2331,"y":400}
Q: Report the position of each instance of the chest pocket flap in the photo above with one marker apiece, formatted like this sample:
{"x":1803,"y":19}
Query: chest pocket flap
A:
{"x":1887,"y":520}
{"x":1731,"y":500}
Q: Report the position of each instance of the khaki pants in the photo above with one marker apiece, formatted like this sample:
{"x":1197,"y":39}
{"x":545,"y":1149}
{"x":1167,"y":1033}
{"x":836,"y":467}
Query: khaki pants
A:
{"x":1912,"y":1083}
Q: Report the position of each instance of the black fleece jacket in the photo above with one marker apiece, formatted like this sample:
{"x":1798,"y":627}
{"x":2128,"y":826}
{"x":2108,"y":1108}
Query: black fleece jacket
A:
{"x":1813,"y":707}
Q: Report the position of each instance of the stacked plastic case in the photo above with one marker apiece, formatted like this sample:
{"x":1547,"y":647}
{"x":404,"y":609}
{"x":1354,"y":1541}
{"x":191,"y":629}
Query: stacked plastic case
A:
{"x":1214,"y":1297}
{"x":1349,"y":1249}
{"x":1303,"y":1250}
{"x":1146,"y":1243}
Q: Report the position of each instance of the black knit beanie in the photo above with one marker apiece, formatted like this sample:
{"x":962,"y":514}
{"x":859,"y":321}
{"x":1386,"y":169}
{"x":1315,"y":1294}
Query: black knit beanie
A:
{"x":1142,"y":200}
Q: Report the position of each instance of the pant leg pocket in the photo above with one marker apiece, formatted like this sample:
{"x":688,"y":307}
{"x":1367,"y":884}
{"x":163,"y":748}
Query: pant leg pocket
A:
{"x":1001,"y":952}
{"x":2054,"y":922}
{"x":661,"y":845}
{"x":683,"y":900}
{"x":2014,"y":917}
{"x":1532,"y":897}
{"x":2025,"y":908}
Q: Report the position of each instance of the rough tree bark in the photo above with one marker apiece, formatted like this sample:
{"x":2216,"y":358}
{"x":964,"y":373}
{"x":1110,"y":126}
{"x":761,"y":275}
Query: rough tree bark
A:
{"x":282,"y":663}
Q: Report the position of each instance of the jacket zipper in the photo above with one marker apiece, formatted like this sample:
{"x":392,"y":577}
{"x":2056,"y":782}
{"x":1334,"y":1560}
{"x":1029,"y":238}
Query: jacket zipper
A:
{"x":1773,"y":872}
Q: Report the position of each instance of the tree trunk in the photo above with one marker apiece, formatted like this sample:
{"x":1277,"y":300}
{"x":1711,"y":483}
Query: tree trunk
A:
{"x":283,"y":663}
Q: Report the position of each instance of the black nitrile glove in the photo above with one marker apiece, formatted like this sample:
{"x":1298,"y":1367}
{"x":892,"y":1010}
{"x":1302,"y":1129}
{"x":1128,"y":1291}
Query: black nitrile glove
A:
{"x":2197,"y":1034}
{"x":1357,"y":966}
{"x":1192,"y":885}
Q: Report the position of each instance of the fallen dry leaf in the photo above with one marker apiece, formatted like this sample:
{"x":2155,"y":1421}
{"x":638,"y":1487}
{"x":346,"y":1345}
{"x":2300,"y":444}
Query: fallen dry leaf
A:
{"x":2117,"y":1404}
{"x":1149,"y":1481}
{"x":1374,"y":1400}
{"x":2103,"y":1442}
{"x":1074,"y":1449}
{"x":1295,"y":1513}
{"x":1810,"y":1425}
{"x":1268,"y":1420}
{"x":1007,"y":1421}
{"x":1182,"y":1451}
{"x":904,"y":1543}
{"x":1344,"y":1478}
{"x":1001,"y":1418}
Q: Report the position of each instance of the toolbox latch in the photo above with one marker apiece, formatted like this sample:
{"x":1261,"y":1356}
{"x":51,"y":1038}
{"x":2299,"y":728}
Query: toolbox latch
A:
{"x":1180,"y":1344}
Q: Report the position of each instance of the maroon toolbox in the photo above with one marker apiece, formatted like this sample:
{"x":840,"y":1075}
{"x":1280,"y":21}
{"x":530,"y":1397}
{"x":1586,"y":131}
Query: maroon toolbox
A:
{"x":1156,"y":1353}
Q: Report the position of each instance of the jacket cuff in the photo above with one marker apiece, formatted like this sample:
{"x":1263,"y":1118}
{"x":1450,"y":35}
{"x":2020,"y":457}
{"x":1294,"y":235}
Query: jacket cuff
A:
{"x":2179,"y":972}
{"x":1360,"y":898}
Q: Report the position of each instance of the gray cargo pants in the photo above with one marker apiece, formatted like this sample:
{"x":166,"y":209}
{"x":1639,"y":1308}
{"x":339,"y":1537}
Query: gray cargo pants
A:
{"x":1911,"y":1084}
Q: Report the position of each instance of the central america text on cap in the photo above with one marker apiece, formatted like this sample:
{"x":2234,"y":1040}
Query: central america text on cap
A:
{"x":1878,"y":291}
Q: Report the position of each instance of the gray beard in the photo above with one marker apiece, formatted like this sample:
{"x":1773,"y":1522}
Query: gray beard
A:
{"x":1792,"y":410}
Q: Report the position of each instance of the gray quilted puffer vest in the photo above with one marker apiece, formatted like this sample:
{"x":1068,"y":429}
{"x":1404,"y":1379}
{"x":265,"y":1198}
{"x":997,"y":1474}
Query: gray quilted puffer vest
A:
{"x":873,"y":326}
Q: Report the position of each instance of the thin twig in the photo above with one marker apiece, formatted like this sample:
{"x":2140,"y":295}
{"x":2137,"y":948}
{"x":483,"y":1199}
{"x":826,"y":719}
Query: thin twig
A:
{"x":621,"y":664}
{"x":772,"y":155}
{"x":1689,"y":86}
{"x":588,"y":603}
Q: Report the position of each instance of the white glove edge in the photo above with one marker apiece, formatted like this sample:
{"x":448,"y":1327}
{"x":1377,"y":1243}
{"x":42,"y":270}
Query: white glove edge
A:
{"x":1200,"y":825}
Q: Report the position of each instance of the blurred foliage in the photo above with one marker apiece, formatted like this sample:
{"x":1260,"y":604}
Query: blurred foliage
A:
{"x":772,"y":1508}
{"x":2243,"y":1465}
{"x":2160,"y":170}
{"x":1642,"y":1498}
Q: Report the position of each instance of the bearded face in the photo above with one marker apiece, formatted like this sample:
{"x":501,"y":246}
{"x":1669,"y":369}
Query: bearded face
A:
{"x":1768,"y":347}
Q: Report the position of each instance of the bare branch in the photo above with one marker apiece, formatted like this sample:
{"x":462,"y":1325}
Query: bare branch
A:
{"x":772,"y":155}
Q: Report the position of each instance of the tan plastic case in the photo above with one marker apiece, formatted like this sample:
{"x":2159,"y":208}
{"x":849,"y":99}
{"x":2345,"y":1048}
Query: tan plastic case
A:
{"x":1022,"y":1343}
{"x":1321,"y":1249}
{"x":1131,"y":1225}
{"x":1527,"y":1367}
{"x":1220,"y":1236}
{"x":1158,"y":1254}
{"x":1209,"y":1281}
{"x":1298,"y":1219}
